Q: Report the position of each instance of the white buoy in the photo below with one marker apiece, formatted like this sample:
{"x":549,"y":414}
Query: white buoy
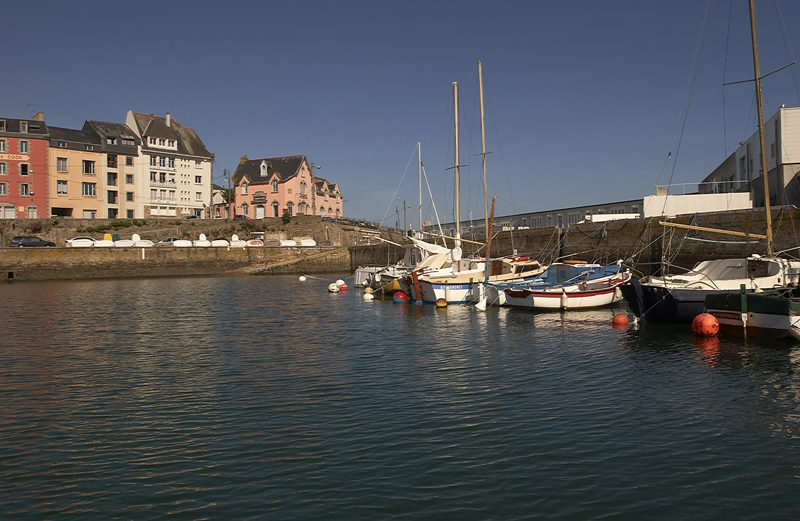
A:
{"x":302,"y":278}
{"x":339,"y":282}
{"x":368,"y":296}
{"x":333,"y":288}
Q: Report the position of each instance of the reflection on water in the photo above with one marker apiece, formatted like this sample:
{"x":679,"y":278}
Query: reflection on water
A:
{"x":267,"y":397}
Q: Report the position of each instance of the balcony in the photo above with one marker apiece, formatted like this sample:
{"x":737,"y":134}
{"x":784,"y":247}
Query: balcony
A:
{"x":163,"y":202}
{"x":165,"y":184}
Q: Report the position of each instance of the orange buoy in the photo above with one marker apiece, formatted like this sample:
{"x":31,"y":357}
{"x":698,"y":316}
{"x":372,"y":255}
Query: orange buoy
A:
{"x":620,"y":321}
{"x":705,"y":324}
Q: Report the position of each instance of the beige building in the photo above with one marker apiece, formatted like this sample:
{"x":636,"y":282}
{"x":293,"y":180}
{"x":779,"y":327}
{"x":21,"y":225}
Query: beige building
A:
{"x":173,"y":174}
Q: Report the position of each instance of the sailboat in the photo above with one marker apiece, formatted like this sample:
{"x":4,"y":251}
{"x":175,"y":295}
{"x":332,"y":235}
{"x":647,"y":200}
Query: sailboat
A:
{"x":464,"y":280}
{"x":679,"y":298}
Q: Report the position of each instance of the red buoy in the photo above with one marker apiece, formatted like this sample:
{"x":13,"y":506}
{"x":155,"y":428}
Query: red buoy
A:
{"x":620,"y":321}
{"x":342,"y":287}
{"x":400,"y":297}
{"x":705,"y":324}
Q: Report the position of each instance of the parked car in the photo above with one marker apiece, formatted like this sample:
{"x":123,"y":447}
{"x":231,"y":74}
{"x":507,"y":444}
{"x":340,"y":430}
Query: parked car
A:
{"x":239,"y":217}
{"x":81,"y":241}
{"x":29,"y":241}
{"x":169,"y":241}
{"x":191,"y":217}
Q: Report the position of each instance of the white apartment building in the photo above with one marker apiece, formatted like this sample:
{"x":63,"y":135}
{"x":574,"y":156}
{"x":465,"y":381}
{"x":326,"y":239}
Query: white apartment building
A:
{"x":174,"y":168}
{"x":741,"y":171}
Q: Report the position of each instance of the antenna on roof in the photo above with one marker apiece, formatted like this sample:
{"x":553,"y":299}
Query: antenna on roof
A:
{"x":31,"y":107}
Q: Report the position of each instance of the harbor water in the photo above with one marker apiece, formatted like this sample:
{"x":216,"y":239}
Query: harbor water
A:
{"x":269,"y":398}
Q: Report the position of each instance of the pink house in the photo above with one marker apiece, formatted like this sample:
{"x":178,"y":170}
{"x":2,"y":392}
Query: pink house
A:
{"x":274,"y":186}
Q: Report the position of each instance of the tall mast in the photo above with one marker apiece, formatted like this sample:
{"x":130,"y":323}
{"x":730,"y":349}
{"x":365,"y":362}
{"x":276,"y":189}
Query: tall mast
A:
{"x":483,"y":160}
{"x":458,"y":204}
{"x":419,"y":167}
{"x":764,"y":172}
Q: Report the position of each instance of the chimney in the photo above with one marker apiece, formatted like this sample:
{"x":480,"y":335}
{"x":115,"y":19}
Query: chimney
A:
{"x":38,"y":117}
{"x":242,"y":160}
{"x":169,"y":119}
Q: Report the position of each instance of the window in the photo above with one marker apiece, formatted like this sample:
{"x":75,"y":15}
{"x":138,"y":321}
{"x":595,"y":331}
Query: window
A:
{"x":24,"y":169}
{"x":263,"y":170}
{"x":275,"y":209}
{"x":111,"y":179}
{"x":23,"y":146}
{"x":112,"y":213}
{"x":171,"y":142}
{"x":129,"y":178}
{"x":162,"y":161}
{"x":198,"y":163}
{"x":61,"y":144}
{"x":127,"y":142}
{"x":274,"y":186}
{"x":161,"y":141}
{"x":88,"y":167}
{"x":61,"y":186}
{"x":171,"y":162}
{"x":128,"y":161}
{"x":24,"y":189}
{"x":129,"y":196}
{"x":2,"y":145}
{"x":88,"y":147}
{"x":198,"y":179}
{"x":244,"y":209}
{"x":88,"y":190}
{"x":153,"y":194}
{"x":61,"y":164}
{"x":111,"y":161}
{"x":244,"y":188}
{"x":111,"y":141}
{"x":3,"y":189}
{"x":289,"y":208}
{"x":2,"y":125}
{"x":112,"y":196}
{"x":303,"y":188}
{"x":129,"y":214}
{"x":152,"y":160}
{"x":32,"y":212}
{"x":23,"y":126}
{"x":198,"y":196}
{"x":3,"y":170}
{"x":152,"y":141}
{"x":89,"y":214}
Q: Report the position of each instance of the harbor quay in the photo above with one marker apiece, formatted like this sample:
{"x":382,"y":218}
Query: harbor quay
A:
{"x":643,"y":244}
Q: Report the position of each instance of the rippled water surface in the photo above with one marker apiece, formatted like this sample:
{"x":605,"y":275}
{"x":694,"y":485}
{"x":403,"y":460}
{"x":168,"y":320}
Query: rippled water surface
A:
{"x":268,"y":398}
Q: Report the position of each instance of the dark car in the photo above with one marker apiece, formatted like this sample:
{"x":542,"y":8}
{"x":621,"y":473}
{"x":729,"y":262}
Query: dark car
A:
{"x":239,"y":217}
{"x":29,"y":241}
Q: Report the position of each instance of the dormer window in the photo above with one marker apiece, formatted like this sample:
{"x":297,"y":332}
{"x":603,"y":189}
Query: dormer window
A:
{"x":152,"y":141}
{"x":275,"y":186}
{"x":161,"y":141}
{"x":23,"y":126}
{"x":244,"y":188}
{"x":170,"y":142}
{"x":263,"y":169}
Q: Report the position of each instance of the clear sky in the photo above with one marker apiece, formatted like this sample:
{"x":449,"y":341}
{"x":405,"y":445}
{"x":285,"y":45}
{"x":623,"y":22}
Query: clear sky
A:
{"x":584,"y":99}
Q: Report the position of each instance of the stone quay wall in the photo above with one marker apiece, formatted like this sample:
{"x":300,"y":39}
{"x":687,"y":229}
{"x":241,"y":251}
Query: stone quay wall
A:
{"x":641,"y":243}
{"x":20,"y":264}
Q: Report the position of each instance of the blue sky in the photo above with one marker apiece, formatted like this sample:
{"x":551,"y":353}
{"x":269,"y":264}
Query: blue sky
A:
{"x":584,"y":99}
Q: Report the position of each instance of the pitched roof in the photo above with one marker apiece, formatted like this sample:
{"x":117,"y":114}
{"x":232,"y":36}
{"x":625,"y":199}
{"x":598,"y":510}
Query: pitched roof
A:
{"x":71,"y":134}
{"x":36,"y":128}
{"x":189,"y":143}
{"x":284,"y":167}
{"x":106,"y":129}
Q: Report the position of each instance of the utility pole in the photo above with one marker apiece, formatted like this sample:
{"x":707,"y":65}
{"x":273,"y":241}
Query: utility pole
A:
{"x":313,"y":192}
{"x":229,"y":194}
